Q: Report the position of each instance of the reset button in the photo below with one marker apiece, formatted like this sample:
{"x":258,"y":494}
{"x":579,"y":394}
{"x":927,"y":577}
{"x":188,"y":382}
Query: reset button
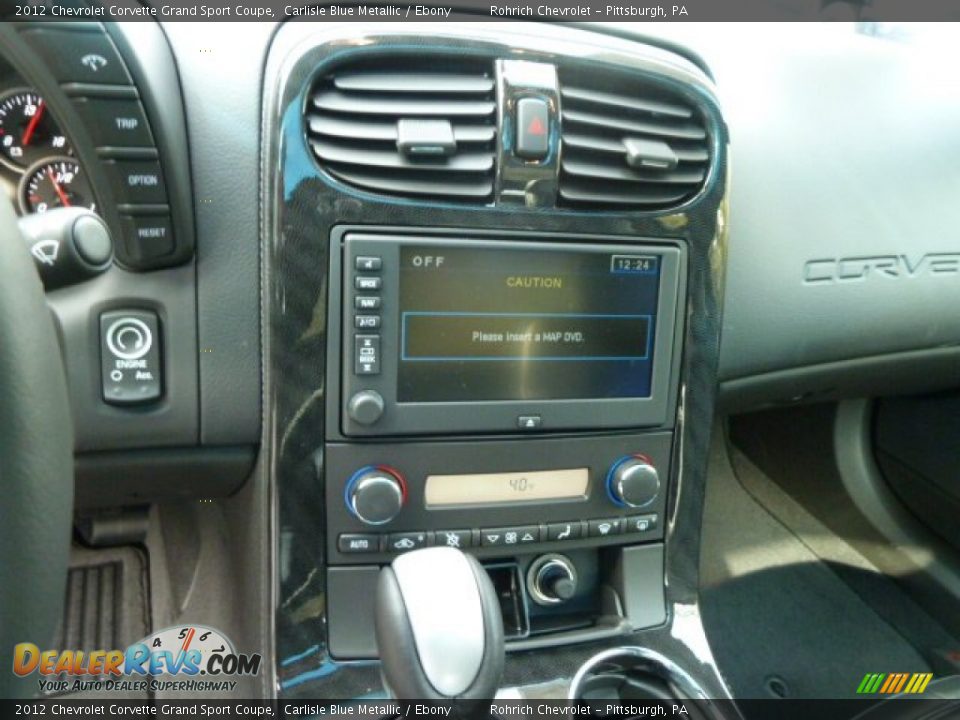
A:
{"x":147,"y":237}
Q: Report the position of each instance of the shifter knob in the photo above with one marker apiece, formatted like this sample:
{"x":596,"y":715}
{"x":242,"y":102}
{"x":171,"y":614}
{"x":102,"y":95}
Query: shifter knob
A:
{"x":438,"y":627}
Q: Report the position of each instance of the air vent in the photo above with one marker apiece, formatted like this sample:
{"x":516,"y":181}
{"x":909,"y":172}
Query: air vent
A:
{"x":422,"y":128}
{"x":628,"y":144}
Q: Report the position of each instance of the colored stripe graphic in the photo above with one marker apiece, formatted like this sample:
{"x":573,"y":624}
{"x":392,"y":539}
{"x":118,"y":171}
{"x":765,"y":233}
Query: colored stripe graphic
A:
{"x":899,"y":685}
{"x":894,"y":683}
{"x":870,"y":683}
{"x":891,"y":682}
{"x":918,"y":683}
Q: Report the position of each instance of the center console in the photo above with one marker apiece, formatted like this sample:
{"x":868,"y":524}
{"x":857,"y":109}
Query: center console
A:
{"x":511,"y":338}
{"x":493,"y":310}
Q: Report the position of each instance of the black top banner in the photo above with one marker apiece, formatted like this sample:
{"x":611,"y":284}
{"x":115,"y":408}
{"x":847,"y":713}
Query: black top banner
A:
{"x":608,"y":11}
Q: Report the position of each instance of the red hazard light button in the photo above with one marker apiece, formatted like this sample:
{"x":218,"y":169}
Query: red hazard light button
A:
{"x":533,"y":128}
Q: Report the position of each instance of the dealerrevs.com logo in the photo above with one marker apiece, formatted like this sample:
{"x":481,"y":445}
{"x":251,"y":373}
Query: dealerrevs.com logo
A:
{"x":183,"y":658}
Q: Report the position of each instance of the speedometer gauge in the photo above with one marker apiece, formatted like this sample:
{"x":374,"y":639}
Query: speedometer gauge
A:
{"x":27,"y":130}
{"x":57,"y":182}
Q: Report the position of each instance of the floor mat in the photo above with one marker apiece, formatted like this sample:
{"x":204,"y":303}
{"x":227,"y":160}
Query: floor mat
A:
{"x":780,"y":621}
{"x":106,"y":605}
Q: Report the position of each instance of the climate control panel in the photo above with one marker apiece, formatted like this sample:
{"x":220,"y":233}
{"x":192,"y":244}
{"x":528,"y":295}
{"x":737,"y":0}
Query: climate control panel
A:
{"x":495,"y":498}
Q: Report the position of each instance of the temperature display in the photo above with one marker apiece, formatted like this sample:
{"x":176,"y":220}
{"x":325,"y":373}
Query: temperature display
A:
{"x":506,"y":488}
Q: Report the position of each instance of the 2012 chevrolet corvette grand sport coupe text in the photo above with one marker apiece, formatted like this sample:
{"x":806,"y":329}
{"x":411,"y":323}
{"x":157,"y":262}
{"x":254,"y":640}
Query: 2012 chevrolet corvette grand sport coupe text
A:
{"x":388,"y":360}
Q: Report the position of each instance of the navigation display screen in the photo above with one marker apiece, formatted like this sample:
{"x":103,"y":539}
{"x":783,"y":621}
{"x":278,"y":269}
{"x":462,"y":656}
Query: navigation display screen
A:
{"x":481,"y":323}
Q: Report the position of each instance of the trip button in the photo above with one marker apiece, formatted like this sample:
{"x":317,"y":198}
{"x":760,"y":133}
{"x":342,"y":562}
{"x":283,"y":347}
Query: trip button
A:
{"x":114,"y":122}
{"x":606,"y":527}
{"x":358,"y":543}
{"x":137,"y":181}
{"x":130,"y":357}
{"x":81,"y":57}
{"x":404,"y":542}
{"x":640,"y":523}
{"x":564,"y":531}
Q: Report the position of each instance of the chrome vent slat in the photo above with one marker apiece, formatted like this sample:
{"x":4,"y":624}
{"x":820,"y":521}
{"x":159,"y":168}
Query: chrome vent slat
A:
{"x":692,"y":153}
{"x":628,"y":143}
{"x":402,"y":185}
{"x":400,"y":82}
{"x":594,"y":97}
{"x":592,"y":192}
{"x":605,"y":171}
{"x":688,"y":131}
{"x":359,"y":118}
{"x":335,"y":101}
{"x":386,"y":131}
{"x":462,"y":162}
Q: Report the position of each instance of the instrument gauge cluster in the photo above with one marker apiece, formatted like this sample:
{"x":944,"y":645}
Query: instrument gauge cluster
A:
{"x":36,"y":156}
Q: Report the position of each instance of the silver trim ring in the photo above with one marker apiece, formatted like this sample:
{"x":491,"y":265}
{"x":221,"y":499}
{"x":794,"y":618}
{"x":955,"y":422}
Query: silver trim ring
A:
{"x":118,"y":328}
{"x":655,"y":662}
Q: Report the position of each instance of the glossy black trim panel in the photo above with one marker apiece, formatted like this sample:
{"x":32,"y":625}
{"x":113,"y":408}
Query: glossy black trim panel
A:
{"x":302,"y":206}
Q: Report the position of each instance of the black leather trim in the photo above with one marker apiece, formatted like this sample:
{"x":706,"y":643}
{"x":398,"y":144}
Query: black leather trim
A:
{"x":36,"y":459}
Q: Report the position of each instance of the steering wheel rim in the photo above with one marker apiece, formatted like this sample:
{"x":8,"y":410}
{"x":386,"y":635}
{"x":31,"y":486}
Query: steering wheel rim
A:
{"x":36,"y":461}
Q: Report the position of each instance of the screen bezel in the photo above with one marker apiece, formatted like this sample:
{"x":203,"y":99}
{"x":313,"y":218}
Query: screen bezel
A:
{"x":491,"y":416}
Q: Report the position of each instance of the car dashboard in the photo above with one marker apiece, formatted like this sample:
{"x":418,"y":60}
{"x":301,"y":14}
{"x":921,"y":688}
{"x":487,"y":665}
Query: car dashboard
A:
{"x":383,"y":287}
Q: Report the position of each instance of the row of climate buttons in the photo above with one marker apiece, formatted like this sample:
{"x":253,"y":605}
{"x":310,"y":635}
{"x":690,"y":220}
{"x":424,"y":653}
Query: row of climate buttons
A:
{"x":91,"y":71}
{"x":496,"y":537}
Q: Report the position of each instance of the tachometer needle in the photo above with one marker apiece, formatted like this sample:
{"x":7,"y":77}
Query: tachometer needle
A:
{"x":32,"y":125}
{"x":56,"y":186}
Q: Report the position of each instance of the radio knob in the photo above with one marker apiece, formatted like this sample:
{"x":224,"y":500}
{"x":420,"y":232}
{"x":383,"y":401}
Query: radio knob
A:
{"x":552,"y":580}
{"x":633,"y":481}
{"x":375,"y":494}
{"x":365,"y":407}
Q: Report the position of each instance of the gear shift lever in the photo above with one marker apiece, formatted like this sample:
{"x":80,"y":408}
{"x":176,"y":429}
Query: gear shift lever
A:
{"x":438,"y":627}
